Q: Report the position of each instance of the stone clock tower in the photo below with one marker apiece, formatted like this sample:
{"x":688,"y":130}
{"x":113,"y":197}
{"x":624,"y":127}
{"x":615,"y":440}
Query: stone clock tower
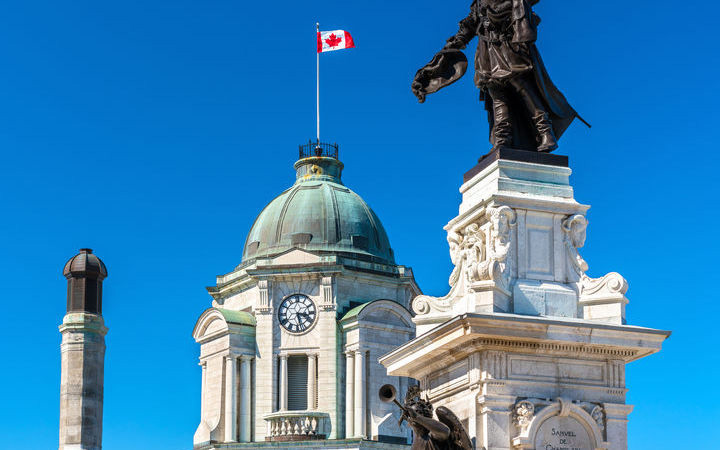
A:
{"x":289,"y":349}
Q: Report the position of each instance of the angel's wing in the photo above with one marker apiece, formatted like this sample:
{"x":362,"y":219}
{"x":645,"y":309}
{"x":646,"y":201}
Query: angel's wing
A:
{"x":459,"y":439}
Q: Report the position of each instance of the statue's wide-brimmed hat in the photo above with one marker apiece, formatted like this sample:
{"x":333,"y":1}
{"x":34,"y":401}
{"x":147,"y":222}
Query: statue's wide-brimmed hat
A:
{"x":446,"y":67}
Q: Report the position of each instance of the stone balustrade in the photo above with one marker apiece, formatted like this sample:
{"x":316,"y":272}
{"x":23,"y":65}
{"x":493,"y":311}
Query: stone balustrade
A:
{"x":297,"y":425}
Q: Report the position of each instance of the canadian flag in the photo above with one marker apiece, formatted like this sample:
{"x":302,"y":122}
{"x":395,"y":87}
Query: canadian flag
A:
{"x":328,"y":41}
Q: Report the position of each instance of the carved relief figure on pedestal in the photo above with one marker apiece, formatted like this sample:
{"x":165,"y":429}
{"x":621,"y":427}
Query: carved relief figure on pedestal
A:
{"x":480,"y":252}
{"x":503,"y":220}
{"x":575,"y":234}
{"x":473,"y":254}
{"x":609,"y":288}
{"x":467,"y":252}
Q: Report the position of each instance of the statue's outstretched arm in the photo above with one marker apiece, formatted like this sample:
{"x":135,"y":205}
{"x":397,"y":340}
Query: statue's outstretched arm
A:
{"x":438,"y":430}
{"x":467,"y":31}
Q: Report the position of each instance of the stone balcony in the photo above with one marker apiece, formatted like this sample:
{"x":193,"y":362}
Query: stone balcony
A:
{"x":297,"y":425}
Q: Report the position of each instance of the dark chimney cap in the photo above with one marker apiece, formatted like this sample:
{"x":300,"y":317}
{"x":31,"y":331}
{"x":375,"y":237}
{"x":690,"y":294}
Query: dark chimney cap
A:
{"x":85,"y":264}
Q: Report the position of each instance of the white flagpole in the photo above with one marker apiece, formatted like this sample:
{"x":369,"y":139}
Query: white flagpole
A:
{"x":318,"y":88}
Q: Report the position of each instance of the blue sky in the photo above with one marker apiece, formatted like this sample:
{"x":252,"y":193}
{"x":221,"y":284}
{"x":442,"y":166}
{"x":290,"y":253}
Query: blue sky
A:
{"x":155,"y":131}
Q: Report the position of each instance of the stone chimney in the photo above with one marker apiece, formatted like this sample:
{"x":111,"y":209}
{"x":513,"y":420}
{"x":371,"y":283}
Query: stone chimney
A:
{"x":82,"y":354}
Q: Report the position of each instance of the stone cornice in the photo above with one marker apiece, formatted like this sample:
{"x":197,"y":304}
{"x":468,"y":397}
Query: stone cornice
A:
{"x":470,"y":333}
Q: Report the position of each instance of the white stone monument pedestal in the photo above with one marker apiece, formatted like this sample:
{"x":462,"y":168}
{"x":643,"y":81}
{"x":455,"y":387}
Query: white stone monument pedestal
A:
{"x":526,"y":349}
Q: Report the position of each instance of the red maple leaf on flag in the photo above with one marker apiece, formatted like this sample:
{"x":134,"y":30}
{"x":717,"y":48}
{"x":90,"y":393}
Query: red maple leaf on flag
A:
{"x":333,"y":41}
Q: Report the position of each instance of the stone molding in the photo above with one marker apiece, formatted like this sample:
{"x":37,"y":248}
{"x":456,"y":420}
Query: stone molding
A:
{"x":83,"y":323}
{"x":470,"y":333}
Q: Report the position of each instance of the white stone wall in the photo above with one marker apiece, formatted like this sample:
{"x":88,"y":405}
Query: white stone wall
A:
{"x":380,"y":327}
{"x":260,"y":288}
{"x":266,"y":386}
{"x":227,"y":354}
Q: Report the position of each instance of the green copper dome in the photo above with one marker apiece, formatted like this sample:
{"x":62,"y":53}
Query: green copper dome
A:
{"x":318,"y":213}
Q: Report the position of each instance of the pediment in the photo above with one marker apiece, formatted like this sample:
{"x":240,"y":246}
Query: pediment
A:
{"x":295,"y":257}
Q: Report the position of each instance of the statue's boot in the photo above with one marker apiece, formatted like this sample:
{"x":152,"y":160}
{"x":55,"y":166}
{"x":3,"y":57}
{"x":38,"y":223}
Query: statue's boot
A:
{"x":545,"y":137}
{"x":502,"y":126}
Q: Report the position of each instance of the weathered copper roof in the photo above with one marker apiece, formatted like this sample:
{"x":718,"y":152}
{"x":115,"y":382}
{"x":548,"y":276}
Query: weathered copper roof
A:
{"x":318,"y":213}
{"x":83,"y":264}
{"x":85,"y":273}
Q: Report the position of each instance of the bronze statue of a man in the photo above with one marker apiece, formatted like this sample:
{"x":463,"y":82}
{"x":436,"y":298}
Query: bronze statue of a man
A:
{"x":525,"y":109}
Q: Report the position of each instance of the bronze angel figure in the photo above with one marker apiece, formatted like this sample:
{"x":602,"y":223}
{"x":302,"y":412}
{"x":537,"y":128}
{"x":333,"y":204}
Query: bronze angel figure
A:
{"x":445,"y":433}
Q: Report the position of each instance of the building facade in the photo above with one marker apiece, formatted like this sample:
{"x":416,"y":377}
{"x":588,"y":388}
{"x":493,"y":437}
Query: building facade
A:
{"x":289,"y":348}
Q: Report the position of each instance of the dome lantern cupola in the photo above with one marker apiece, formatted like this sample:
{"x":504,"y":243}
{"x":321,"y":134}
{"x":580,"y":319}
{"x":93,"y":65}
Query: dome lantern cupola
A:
{"x":319,"y":161}
{"x":320,"y":214}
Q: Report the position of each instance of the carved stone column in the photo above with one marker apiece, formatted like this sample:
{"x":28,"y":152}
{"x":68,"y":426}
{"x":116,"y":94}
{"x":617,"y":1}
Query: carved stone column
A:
{"x":312,"y":381}
{"x":283,"y":383}
{"x":231,"y":403}
{"x":495,"y":414}
{"x":203,"y":394}
{"x":349,"y":394}
{"x":245,"y":398}
{"x":360,"y":394}
{"x":616,"y":419}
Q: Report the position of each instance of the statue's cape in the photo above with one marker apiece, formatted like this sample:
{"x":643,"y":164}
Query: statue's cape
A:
{"x":561,"y":113}
{"x":446,"y":67}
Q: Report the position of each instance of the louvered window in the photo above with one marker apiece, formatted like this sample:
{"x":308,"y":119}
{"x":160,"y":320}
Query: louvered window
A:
{"x":297,"y":367}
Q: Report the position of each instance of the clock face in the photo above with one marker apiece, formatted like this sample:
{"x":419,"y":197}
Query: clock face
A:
{"x":297,"y":313}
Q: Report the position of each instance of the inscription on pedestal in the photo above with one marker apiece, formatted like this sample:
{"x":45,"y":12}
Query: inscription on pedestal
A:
{"x":562,"y":433}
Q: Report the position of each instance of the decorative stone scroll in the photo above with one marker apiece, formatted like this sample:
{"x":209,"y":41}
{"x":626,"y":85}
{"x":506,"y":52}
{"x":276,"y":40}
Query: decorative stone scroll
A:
{"x":481,"y":252}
